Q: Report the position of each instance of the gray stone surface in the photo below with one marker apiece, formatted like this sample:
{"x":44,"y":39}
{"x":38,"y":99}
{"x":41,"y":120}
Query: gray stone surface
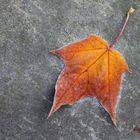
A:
{"x":28,"y":72}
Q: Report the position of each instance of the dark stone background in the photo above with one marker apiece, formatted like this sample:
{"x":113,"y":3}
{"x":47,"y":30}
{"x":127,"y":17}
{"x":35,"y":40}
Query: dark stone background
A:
{"x":28,"y":72}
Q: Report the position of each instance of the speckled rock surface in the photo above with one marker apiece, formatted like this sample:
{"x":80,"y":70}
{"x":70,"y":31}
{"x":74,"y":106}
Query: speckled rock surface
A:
{"x":28,"y":72}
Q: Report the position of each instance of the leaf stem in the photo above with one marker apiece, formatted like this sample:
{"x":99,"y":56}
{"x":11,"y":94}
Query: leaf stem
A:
{"x":130,"y":11}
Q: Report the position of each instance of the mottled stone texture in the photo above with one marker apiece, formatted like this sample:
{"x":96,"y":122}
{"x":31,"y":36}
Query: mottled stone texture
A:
{"x":28,"y":72}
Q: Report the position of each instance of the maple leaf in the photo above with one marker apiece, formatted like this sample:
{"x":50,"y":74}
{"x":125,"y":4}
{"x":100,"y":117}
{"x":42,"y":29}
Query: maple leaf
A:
{"x":92,"y":68}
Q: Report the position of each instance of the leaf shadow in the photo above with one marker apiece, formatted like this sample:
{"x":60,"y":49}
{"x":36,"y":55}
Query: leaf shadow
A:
{"x":105,"y":115}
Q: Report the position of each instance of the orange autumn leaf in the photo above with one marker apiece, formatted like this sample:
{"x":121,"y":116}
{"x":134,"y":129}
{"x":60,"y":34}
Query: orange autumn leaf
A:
{"x":92,"y":69}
